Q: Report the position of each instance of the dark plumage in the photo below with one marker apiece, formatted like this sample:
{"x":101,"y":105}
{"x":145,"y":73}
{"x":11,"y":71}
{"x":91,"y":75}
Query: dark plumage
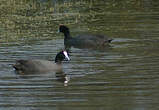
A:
{"x":39,"y":66}
{"x":85,"y":40}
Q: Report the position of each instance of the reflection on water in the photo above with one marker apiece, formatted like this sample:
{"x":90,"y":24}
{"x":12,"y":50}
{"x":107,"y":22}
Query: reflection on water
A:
{"x":60,"y":76}
{"x":124,"y":75}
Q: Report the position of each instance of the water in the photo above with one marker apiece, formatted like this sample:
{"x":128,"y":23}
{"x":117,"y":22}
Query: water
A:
{"x":124,"y":76}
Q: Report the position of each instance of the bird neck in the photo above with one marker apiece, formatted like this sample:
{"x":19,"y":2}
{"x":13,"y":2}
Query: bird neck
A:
{"x":67,"y":35}
{"x":57,"y":60}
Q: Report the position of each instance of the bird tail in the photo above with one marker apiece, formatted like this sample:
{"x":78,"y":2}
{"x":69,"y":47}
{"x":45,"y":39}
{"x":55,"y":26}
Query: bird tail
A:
{"x":110,"y":40}
{"x":19,"y":64}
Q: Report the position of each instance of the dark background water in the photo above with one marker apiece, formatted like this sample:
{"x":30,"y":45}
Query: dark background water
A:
{"x":124,"y":76}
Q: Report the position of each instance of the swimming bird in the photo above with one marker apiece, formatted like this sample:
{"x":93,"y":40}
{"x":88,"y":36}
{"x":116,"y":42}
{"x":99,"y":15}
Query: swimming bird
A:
{"x":40,"y":66}
{"x":83,"y":40}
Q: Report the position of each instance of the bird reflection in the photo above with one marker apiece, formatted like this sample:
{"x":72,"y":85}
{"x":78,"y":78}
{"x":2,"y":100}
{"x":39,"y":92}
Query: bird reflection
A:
{"x":59,"y":76}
